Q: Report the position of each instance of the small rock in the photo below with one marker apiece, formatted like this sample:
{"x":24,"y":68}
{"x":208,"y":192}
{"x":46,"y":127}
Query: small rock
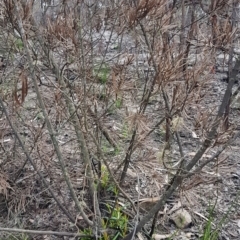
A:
{"x":181,"y":218}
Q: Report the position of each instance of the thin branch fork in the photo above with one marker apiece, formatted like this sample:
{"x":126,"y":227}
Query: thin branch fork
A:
{"x":178,"y":178}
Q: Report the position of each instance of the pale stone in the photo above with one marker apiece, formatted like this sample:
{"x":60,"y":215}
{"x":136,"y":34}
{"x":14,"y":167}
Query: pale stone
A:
{"x":181,"y":218}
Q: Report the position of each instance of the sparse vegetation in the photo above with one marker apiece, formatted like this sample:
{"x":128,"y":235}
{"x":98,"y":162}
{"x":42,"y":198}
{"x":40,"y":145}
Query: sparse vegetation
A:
{"x":114,"y":117}
{"x":102,"y":73}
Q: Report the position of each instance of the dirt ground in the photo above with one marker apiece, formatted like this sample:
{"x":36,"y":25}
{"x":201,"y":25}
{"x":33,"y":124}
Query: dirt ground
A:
{"x":25,"y":203}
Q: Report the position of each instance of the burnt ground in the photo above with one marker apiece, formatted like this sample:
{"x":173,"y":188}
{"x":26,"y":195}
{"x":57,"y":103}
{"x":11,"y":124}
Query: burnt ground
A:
{"x":25,"y":203}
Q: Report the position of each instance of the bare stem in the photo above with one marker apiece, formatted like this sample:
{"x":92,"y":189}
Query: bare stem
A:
{"x":48,"y":123}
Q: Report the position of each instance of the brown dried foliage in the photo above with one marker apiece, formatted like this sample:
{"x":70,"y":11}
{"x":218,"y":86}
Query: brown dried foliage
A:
{"x":165,"y":87}
{"x":19,"y":99}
